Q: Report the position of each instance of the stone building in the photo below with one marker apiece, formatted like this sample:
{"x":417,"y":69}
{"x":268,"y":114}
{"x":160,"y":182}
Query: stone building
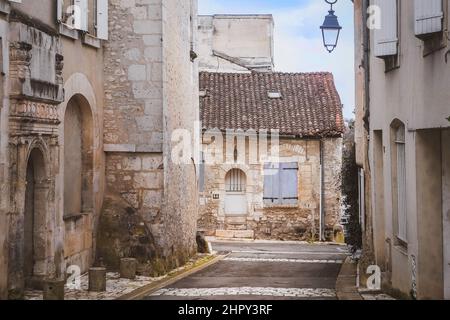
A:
{"x":236,"y":43}
{"x":272,"y":154}
{"x":86,"y":136}
{"x":402,"y":139}
{"x":151,"y":91}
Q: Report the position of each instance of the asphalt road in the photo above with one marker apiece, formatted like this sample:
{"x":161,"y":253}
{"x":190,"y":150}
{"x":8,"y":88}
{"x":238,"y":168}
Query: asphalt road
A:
{"x":263,"y":271}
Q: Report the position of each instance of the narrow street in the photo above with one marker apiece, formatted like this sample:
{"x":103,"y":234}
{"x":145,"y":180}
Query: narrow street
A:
{"x":263,"y":271}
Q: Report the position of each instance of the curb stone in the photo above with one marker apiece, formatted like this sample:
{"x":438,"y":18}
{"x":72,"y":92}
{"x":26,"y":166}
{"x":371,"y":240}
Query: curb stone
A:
{"x":153,"y":287}
{"x":346,"y":288}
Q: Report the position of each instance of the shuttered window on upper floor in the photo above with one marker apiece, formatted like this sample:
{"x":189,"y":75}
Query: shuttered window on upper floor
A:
{"x":386,"y":37}
{"x":75,"y":14}
{"x":428,"y":17}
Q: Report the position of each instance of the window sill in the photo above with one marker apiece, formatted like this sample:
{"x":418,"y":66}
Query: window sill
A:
{"x":401,"y":246}
{"x":68,"y":32}
{"x":4,"y":8}
{"x":281,"y":206}
{"x":75,"y":216}
{"x":91,"y":41}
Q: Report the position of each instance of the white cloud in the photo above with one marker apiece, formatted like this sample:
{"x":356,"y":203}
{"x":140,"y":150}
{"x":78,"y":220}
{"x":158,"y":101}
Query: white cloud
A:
{"x":298,"y":41}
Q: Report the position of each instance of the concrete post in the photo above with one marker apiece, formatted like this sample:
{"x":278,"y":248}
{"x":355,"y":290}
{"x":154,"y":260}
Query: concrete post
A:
{"x":97,"y":279}
{"x":128,"y":268}
{"x":54,"y":289}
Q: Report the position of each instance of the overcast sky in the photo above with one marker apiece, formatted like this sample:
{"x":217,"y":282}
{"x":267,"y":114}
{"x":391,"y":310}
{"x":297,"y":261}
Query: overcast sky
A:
{"x":298,"y":39}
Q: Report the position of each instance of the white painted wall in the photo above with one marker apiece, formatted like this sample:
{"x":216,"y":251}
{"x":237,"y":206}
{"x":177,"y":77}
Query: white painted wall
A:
{"x":248,"y":38}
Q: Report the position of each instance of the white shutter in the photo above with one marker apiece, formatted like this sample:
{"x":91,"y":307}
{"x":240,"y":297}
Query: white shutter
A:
{"x":81,"y":14}
{"x":59,"y":10}
{"x":16,"y":1}
{"x":102,"y":19}
{"x":386,"y":38}
{"x":428,"y":16}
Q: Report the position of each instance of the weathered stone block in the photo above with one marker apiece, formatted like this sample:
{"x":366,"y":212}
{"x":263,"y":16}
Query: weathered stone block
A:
{"x":128,"y":268}
{"x":54,"y":289}
{"x":97,"y":279}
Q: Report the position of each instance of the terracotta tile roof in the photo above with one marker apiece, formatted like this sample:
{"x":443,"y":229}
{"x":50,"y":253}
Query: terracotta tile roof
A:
{"x":309,"y":105}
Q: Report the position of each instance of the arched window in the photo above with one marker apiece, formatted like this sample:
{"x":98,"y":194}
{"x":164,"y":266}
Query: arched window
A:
{"x":236,"y":181}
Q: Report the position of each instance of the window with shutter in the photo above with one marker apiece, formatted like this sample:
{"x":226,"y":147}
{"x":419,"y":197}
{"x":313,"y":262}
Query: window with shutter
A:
{"x":428,"y":17}
{"x":271,"y":183}
{"x":81,"y":14}
{"x":281,"y":183}
{"x":386,"y":38}
{"x":102,"y":19}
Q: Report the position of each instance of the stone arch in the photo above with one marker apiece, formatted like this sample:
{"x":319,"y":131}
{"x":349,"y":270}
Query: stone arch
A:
{"x":35,"y":215}
{"x":79,"y":235}
{"x":235,"y":181}
{"x":78,"y":157}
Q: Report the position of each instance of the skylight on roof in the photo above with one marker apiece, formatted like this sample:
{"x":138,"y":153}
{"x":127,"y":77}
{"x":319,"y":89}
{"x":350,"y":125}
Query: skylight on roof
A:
{"x":274,"y":95}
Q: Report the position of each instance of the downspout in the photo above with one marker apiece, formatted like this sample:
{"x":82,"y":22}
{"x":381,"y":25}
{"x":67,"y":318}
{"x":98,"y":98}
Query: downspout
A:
{"x":366,"y":64}
{"x":322,"y":204}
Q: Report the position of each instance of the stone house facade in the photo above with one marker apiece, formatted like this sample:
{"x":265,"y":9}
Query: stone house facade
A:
{"x":151,"y":90}
{"x":402,"y":139}
{"x":83,"y":120}
{"x":272,"y":155}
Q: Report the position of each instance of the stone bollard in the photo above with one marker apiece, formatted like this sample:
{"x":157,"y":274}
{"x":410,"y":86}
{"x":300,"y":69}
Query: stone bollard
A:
{"x":202,"y":244}
{"x":97,"y":279}
{"x":128,"y":268}
{"x":54,"y":289}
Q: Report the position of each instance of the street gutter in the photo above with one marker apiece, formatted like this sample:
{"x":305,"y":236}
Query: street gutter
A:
{"x":147,"y":290}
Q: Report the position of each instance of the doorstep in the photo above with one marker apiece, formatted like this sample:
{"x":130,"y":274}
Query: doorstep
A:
{"x":235,"y":234}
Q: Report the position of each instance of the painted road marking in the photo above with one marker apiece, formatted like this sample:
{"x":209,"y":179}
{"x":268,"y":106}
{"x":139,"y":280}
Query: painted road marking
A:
{"x":288,"y":252}
{"x":282,"y":260}
{"x":247,"y":291}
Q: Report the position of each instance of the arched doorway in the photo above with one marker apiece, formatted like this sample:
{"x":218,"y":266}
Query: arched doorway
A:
{"x":35,"y":231}
{"x":236,"y":197}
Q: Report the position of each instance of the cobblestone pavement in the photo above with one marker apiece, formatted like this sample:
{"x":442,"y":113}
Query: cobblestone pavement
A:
{"x":379,"y":296}
{"x":116,"y":287}
{"x":263,"y":271}
{"x":248,"y":291}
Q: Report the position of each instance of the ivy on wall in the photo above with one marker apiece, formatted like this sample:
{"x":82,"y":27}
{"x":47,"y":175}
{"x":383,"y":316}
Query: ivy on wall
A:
{"x":350,"y":188}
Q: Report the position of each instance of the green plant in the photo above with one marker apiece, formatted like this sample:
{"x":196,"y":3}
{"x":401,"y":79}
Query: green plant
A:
{"x":350,"y":189}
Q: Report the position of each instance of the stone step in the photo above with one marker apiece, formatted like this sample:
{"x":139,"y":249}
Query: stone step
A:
{"x":235,"y":234}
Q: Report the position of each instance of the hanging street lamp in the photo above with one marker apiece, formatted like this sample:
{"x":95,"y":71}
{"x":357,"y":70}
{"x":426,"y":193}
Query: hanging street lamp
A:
{"x":330,"y":28}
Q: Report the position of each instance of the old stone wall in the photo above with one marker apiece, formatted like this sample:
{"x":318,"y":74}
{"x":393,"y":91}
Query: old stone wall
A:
{"x":151,"y":89}
{"x":4,"y":163}
{"x":332,"y":178}
{"x":181,"y":112}
{"x":280,"y":222}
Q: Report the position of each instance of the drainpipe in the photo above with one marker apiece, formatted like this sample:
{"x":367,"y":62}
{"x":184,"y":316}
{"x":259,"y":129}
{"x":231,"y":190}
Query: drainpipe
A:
{"x":366,"y":63}
{"x":322,"y":204}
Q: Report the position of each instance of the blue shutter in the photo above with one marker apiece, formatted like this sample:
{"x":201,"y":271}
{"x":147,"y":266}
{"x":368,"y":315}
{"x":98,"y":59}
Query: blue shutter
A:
{"x":289,"y":183}
{"x":271,"y":183}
